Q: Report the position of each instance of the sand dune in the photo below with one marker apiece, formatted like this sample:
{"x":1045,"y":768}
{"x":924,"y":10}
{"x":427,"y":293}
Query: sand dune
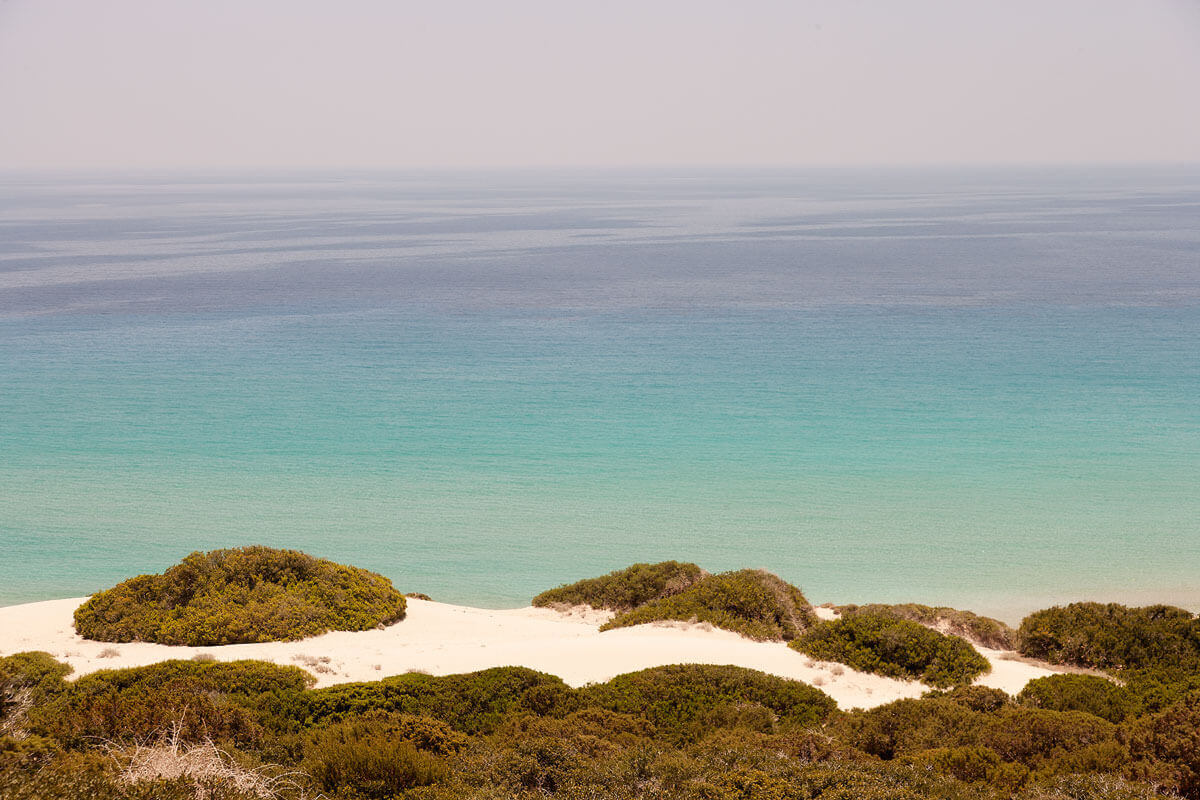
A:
{"x":442,"y":639}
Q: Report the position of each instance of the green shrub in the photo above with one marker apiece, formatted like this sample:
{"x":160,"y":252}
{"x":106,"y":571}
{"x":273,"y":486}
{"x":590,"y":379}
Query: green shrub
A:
{"x":27,"y":680}
{"x":625,"y":589}
{"x":374,"y":756}
{"x":831,"y":781}
{"x":751,"y":602}
{"x":250,"y":594}
{"x":971,"y":764}
{"x":593,"y":731}
{"x":1087,"y":693}
{"x":984,"y":631}
{"x":685,"y":700}
{"x":1112,"y":636}
{"x":425,"y":733}
{"x":1034,"y":736}
{"x":34,"y":670}
{"x":592,"y":753}
{"x":26,"y":751}
{"x":1155,"y":688}
{"x":910,"y":726}
{"x":219,"y":700}
{"x":1040,"y":740}
{"x":227,"y":677}
{"x":976,"y":698}
{"x":76,"y":719}
{"x":472,"y":702}
{"x":897,"y":648}
{"x":69,"y":776}
{"x":1168,"y":746}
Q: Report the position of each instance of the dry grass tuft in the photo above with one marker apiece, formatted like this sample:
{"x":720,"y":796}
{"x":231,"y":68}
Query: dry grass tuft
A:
{"x":15,"y":704}
{"x":205,"y":764}
{"x":108,"y":652}
{"x":320,"y":665}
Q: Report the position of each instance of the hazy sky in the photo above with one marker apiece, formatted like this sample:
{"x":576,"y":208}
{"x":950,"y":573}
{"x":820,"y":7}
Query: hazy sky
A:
{"x":144,"y":83}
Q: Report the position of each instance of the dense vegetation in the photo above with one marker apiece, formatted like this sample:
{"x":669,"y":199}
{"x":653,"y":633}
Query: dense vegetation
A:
{"x":249,"y":594}
{"x":1095,"y":695}
{"x":885,"y":644}
{"x":751,"y":602}
{"x":234,"y":731}
{"x":981,"y":630}
{"x":185,"y":730}
{"x":1111,"y":636}
{"x":682,"y":701}
{"x":625,"y":589}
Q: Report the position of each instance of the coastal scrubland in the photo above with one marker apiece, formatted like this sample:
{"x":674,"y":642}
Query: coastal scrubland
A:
{"x":243,"y":730}
{"x":1113,"y":636}
{"x":896,"y":641}
{"x":751,"y":602}
{"x":248,"y":594}
{"x":234,"y":730}
{"x":981,"y":630}
{"x":898,"y":648}
{"x":625,"y":589}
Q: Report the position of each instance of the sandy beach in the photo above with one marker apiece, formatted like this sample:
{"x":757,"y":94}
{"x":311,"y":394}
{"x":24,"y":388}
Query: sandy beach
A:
{"x":442,"y":639}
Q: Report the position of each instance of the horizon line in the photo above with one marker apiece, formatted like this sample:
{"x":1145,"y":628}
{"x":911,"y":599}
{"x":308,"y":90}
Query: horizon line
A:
{"x":109,"y":169}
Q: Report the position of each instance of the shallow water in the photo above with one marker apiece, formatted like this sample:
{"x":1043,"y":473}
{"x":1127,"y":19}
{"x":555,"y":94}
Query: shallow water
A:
{"x":974,"y":388}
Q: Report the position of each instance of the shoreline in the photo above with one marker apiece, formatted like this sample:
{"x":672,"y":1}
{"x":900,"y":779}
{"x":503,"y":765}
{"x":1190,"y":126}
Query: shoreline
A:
{"x":1009,"y":611}
{"x":441,"y":639}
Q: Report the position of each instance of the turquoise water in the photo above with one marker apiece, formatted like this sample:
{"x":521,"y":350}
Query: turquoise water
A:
{"x":975,"y":390}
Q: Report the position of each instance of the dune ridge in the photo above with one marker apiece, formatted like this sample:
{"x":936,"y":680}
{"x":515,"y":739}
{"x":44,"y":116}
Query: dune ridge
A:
{"x":441,"y":639}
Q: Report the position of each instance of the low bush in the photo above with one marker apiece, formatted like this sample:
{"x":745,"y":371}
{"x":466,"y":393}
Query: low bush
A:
{"x":374,"y":756}
{"x":984,"y":631}
{"x":227,"y":701}
{"x":1112,"y":636}
{"x":27,"y":680}
{"x":472,"y":702}
{"x":71,"y":776}
{"x":686,"y":732}
{"x":1156,"y":688}
{"x":897,"y":648}
{"x":1041,"y":741}
{"x":751,"y":602}
{"x":625,"y":589}
{"x":1166,"y":746}
{"x":1037,"y":737}
{"x":684,"y":700}
{"x":591,"y":729}
{"x":910,"y":726}
{"x":976,"y":698}
{"x":250,"y":594}
{"x":1088,"y":693}
{"x":227,"y":677}
{"x":972,"y":764}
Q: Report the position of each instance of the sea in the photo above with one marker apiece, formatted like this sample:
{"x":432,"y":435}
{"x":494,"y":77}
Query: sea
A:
{"x":976,"y":387}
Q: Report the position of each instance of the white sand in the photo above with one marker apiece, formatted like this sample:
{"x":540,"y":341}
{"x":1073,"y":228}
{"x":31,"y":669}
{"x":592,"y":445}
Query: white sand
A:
{"x":443,"y":639}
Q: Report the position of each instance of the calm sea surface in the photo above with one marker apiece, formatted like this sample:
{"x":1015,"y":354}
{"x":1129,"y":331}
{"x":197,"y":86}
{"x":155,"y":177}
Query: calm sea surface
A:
{"x":977,"y":388}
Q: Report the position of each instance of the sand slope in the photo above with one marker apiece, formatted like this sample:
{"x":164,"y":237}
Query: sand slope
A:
{"x":443,"y":639}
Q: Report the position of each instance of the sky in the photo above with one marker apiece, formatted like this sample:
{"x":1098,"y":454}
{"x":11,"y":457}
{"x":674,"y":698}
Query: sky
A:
{"x":481,"y":83}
